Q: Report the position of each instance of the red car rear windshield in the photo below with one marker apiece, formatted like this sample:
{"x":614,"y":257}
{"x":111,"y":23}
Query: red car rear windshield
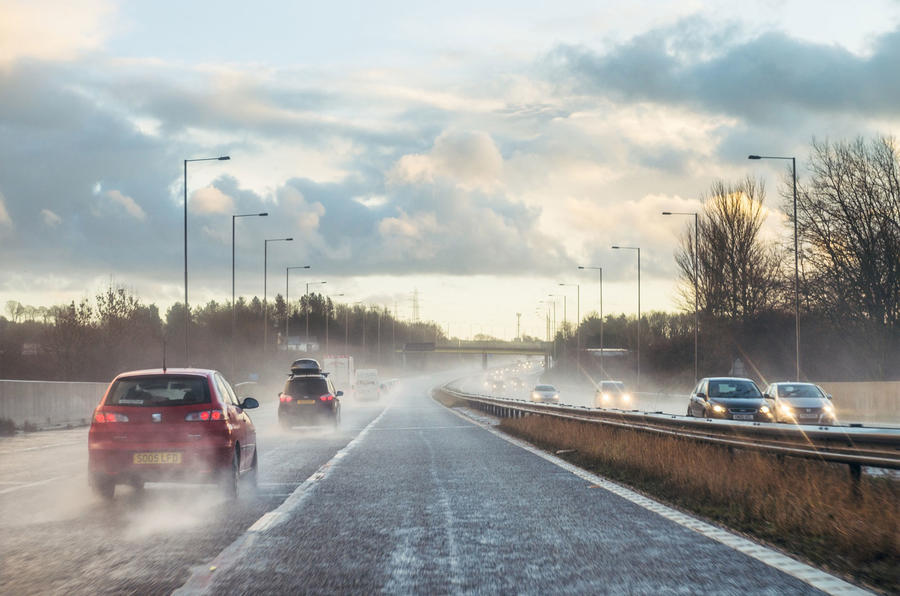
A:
{"x":159,"y":390}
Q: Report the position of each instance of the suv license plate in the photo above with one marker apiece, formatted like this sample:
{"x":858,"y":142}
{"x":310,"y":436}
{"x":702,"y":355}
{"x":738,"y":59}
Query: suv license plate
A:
{"x":306,"y":401}
{"x":157,"y":457}
{"x":743,"y":416}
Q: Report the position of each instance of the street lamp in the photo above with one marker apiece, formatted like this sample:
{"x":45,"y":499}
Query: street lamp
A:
{"x":600,"y":271}
{"x":187,"y":310}
{"x":638,"y":249}
{"x":265,"y":288}
{"x":577,"y":314}
{"x":555,"y":328}
{"x":310,"y":283}
{"x":233,"y":319}
{"x":696,"y":286}
{"x":287,"y":298}
{"x":328,"y":316}
{"x":796,"y":259}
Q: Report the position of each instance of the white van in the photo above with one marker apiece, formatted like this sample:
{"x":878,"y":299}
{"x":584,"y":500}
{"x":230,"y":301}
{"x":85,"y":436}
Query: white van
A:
{"x":367,"y":386}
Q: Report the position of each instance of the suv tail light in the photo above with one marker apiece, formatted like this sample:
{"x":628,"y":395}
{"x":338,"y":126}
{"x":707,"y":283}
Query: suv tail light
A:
{"x":285,"y":398}
{"x":205,"y":416}
{"x":327,"y":397}
{"x":109,"y":417}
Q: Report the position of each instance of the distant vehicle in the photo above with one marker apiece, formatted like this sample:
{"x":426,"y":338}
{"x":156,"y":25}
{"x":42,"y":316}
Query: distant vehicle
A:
{"x":182,"y":424}
{"x":497,"y":385}
{"x":801,"y":403}
{"x":545,"y":394}
{"x":340,"y":370}
{"x":309,"y":399}
{"x":367,"y":386}
{"x":612,"y":393}
{"x":731,"y":398}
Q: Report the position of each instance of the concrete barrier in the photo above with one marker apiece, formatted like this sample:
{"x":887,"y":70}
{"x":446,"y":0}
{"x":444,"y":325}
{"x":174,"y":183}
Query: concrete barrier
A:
{"x":49,"y":403}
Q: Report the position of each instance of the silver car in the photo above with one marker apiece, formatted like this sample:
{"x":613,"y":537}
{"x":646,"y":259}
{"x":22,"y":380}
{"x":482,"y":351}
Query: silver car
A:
{"x":547,"y":394}
{"x":801,"y":403}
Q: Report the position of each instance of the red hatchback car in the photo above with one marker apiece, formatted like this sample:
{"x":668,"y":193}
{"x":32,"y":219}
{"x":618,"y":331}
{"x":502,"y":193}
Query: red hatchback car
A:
{"x":166,"y":425}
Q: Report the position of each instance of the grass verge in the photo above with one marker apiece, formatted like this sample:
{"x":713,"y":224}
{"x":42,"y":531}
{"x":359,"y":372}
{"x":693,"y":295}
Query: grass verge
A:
{"x":804,"y":507}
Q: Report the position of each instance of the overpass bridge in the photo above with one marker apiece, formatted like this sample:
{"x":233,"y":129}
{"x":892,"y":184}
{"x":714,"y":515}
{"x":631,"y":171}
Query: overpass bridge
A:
{"x":485,"y":348}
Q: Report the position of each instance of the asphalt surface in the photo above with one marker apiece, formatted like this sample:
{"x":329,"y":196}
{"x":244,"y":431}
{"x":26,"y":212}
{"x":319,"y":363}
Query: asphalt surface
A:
{"x":407,"y":497}
{"x":426,"y":502}
{"x":57,"y":538}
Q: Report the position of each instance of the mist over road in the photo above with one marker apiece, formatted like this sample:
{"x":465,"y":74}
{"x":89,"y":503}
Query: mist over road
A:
{"x":418,"y":500}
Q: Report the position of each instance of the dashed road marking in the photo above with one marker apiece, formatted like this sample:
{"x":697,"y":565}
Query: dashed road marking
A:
{"x":234,"y":553}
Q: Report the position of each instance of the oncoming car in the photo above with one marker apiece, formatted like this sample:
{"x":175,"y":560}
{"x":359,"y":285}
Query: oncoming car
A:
{"x":309,"y":399}
{"x":168,"y":425}
{"x":730,"y":398}
{"x":801,"y":403}
{"x":545,"y":394}
{"x":611,"y":393}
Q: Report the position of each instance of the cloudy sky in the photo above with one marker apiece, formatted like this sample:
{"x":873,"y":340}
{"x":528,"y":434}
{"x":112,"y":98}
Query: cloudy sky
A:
{"x":478,"y":152}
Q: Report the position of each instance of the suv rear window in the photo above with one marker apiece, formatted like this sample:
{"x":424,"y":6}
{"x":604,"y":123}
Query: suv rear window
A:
{"x":159,"y":390}
{"x":306,"y":387}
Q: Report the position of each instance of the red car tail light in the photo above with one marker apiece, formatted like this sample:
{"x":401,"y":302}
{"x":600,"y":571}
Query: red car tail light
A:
{"x":205,"y":416}
{"x":285,"y":398}
{"x":326,"y":397}
{"x":103,"y":417}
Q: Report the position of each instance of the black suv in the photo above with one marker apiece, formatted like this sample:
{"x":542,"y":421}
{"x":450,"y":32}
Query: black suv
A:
{"x":309,"y":399}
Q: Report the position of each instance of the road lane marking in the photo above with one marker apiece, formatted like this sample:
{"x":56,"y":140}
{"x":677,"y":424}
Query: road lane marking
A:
{"x":201,"y":578}
{"x":802,"y":571}
{"x":39,"y":448}
{"x":31,"y":484}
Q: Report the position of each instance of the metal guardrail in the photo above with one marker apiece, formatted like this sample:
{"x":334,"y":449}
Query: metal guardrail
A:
{"x":855,"y":446}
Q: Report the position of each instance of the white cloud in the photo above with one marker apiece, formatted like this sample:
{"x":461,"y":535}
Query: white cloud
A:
{"x":407,"y":237}
{"x":131,"y":207}
{"x":306,"y":215}
{"x":210,"y":200}
{"x":50,"y":29}
{"x":50,"y":218}
{"x":469,"y":160}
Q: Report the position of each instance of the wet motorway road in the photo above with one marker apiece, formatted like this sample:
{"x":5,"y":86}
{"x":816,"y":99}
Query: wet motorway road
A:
{"x":413,"y":499}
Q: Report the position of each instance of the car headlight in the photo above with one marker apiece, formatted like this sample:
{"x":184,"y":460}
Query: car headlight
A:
{"x":829,"y":409}
{"x":606,"y":397}
{"x":718,"y":409}
{"x":786,"y":410}
{"x":626,"y":397}
{"x":534,"y":395}
{"x":765,"y":409}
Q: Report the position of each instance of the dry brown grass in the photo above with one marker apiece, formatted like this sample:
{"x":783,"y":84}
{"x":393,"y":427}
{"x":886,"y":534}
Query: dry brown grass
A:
{"x":448,"y":400}
{"x":805,"y":507}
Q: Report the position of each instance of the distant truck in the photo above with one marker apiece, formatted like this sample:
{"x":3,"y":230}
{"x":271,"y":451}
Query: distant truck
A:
{"x":367,"y":386}
{"x":341,"y":371}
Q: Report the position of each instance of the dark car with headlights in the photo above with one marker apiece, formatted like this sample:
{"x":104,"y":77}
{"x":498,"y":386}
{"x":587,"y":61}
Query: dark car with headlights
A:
{"x":730,"y":398}
{"x":309,"y":399}
{"x":801,"y":403}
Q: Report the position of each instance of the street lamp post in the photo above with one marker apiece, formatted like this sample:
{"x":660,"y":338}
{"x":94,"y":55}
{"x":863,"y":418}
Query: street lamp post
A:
{"x":328,"y":316}
{"x":696,"y":287}
{"x":555,"y":328}
{"x":638,"y":249}
{"x":265,"y":288}
{"x":233,"y":318}
{"x":600,"y":271}
{"x":287,"y":298}
{"x":187,"y":310}
{"x":796,"y":260}
{"x":578,"y":317}
{"x":310,"y":283}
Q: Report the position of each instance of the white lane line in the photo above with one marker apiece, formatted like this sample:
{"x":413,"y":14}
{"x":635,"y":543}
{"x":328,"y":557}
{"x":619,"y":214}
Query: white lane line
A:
{"x":237,"y":551}
{"x":31,"y":484}
{"x":39,"y":448}
{"x":807,"y":573}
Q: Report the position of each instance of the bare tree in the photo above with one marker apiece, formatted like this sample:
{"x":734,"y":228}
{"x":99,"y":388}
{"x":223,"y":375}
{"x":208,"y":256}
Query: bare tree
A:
{"x":849,"y":222}
{"x":737,"y":276}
